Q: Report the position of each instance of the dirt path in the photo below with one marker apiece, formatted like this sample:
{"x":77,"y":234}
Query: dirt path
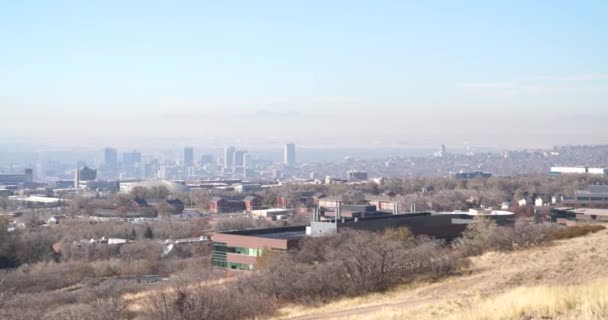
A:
{"x":565,"y":262}
{"x":363,"y":310}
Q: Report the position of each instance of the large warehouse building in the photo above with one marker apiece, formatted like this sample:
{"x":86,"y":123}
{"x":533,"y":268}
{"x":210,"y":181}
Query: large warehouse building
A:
{"x":240,"y":250}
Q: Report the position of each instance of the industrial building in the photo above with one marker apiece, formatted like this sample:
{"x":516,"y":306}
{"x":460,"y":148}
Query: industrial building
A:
{"x":573,"y":216}
{"x":578,"y":170}
{"x":471,"y":175}
{"x":240,"y":250}
{"x":445,"y":225}
{"x":596,"y":196}
{"x":171,"y":186}
{"x":272,"y":214}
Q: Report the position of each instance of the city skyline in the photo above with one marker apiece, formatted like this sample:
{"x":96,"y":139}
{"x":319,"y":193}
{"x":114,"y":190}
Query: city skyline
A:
{"x":303,"y":159}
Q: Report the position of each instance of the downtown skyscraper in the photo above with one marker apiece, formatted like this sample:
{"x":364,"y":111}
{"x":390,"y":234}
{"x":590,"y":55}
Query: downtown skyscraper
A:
{"x":289,"y":154}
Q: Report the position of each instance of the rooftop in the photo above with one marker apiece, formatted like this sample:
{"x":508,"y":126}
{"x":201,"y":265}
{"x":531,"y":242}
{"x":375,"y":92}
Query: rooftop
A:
{"x":480,"y":212}
{"x":588,"y":211}
{"x":283,"y":233}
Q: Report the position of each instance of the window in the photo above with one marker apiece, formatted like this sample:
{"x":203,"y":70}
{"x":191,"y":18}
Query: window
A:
{"x":245,"y":251}
{"x":219,"y":255}
{"x":240,"y":266}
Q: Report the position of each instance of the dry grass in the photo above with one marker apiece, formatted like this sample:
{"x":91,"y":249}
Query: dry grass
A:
{"x":135,"y":300}
{"x":566,"y":280}
{"x":576,"y":231}
{"x":363,"y":301}
{"x":588,"y":301}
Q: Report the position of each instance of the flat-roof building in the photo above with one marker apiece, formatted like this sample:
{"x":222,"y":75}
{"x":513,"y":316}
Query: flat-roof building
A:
{"x":272,"y":213}
{"x":596,"y":196}
{"x":574,"y":216}
{"x":471,"y":174}
{"x":16,"y":179}
{"x":240,"y":250}
{"x":356,"y":176}
{"x":578,"y":170}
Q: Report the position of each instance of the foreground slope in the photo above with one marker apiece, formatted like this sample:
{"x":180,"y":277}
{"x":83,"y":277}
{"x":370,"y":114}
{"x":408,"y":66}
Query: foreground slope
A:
{"x":566,"y":280}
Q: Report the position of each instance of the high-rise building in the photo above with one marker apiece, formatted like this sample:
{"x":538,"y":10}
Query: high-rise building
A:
{"x":110,"y":157}
{"x":246,"y":165}
{"x":206,"y":159}
{"x":131,"y":158}
{"x":151,"y":168}
{"x":229,"y":157}
{"x":289,"y":154}
{"x":238,"y":155}
{"x":109,"y":168}
{"x":132,"y":165}
{"x":188,"y":156}
{"x":442,"y":151}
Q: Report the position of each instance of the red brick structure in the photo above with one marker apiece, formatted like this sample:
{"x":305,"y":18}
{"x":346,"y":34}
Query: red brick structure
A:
{"x":252,"y":203}
{"x":223,"y":205}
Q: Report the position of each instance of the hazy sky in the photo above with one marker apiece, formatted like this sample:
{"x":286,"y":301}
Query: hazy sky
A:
{"x":357,"y":73}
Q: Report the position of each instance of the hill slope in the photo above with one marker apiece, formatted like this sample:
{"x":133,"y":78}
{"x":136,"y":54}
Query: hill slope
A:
{"x":565,"y":280}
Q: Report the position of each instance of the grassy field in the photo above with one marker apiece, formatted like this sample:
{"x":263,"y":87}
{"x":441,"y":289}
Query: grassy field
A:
{"x":566,"y":280}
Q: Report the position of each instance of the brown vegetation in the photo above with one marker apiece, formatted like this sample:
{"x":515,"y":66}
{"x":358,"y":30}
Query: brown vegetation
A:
{"x":484,"y":235}
{"x":575,"y":231}
{"x":347,"y":264}
{"x":62,"y":277}
{"x":565,"y":280}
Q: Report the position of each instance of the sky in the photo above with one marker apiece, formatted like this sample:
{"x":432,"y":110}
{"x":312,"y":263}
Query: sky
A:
{"x":319,"y":73}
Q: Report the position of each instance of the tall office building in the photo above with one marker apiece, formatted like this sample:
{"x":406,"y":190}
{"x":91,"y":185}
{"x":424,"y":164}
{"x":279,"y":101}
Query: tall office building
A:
{"x":289,"y":155}
{"x":228,"y":157}
{"x":443,"y":151}
{"x":132,"y":166}
{"x":238,"y":161}
{"x":110,"y":157}
{"x":109,"y":169}
{"x":247,"y":169}
{"x":188,"y":156}
{"x":131,"y":158}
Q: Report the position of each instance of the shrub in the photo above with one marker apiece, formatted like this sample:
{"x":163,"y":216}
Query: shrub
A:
{"x":353,"y":263}
{"x":522,"y":235}
{"x":398,"y":234}
{"x":203,"y":301}
{"x":477,"y":237}
{"x":575,"y":231}
{"x":484,"y":235}
{"x":349,"y":263}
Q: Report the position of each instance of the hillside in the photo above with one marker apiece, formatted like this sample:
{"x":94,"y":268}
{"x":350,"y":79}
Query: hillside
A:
{"x":566,"y":280}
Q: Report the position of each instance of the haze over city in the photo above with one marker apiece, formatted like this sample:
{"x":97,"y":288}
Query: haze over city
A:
{"x":342,"y":73}
{"x":303,"y":160}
